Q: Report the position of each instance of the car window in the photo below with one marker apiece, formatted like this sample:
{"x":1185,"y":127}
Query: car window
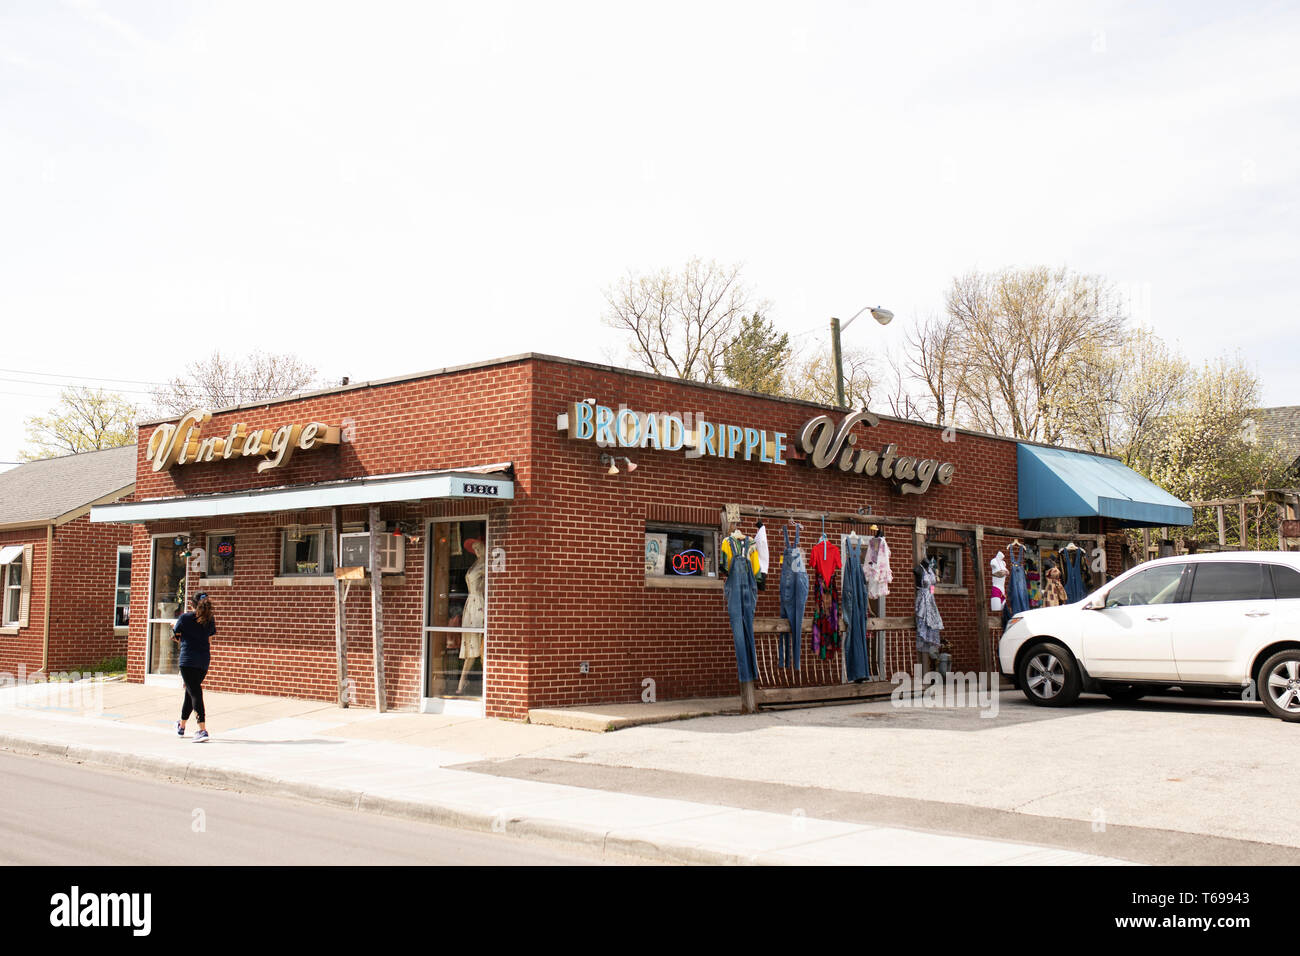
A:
{"x":1286,"y":582}
{"x":1152,"y":586}
{"x":1230,"y":581}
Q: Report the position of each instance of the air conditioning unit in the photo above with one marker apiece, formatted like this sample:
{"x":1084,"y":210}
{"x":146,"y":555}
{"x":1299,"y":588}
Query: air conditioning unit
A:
{"x":354,"y":552}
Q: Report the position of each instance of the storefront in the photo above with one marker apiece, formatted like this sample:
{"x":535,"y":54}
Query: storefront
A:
{"x":546,"y":532}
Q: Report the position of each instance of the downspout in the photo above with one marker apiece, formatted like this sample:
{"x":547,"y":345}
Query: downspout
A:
{"x":49,"y":578}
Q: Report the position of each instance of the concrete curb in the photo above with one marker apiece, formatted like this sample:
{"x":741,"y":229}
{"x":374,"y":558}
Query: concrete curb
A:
{"x":183,"y":771}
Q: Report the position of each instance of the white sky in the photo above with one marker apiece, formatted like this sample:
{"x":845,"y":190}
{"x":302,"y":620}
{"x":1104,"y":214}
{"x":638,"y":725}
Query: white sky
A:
{"x":384,"y":188}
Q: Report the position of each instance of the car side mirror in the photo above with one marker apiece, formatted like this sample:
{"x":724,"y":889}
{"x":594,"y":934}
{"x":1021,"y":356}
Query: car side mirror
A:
{"x":1097,"y":603}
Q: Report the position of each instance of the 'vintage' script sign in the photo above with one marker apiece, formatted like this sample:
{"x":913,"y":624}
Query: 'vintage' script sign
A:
{"x":826,"y":445}
{"x":183,"y":442}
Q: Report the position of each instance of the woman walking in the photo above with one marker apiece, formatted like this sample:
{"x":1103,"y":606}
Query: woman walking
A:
{"x":192,"y":630}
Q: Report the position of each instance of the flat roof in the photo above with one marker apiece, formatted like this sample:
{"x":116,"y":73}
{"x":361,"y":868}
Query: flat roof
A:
{"x":638,"y":373}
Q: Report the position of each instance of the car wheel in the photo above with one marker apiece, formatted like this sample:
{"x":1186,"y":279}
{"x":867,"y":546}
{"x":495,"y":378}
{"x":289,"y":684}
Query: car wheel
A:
{"x":1279,"y":684}
{"x":1048,"y":676}
{"x":1125,"y":695}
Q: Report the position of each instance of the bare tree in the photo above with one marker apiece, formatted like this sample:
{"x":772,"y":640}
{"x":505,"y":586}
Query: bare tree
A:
{"x":220,"y":381}
{"x":681,"y":323}
{"x":934,"y":360}
{"x":812,"y":376}
{"x":1018,"y":336}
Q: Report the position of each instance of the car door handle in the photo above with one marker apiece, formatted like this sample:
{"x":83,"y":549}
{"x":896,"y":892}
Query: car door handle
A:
{"x":1257,"y":614}
{"x":1157,"y":618}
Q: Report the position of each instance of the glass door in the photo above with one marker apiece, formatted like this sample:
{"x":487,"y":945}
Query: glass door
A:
{"x":167,"y":594}
{"x":456,"y":611}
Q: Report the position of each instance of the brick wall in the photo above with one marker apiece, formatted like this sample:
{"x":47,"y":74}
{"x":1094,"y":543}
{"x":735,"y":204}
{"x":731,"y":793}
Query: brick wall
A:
{"x":573,"y":586}
{"x":24,"y":648}
{"x":85,"y":571}
{"x":81,"y":598}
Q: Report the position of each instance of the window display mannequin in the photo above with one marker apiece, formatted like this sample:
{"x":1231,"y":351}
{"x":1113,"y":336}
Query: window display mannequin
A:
{"x":471,"y":645}
{"x":998,"y":574}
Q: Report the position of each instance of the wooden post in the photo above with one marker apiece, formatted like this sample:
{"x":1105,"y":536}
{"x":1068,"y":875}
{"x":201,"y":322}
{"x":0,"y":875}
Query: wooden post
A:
{"x":1223,"y":528}
{"x":987,"y":652}
{"x":1146,"y":545}
{"x":1241,"y":517}
{"x":377,"y":610}
{"x":918,"y":555}
{"x":340,"y":612}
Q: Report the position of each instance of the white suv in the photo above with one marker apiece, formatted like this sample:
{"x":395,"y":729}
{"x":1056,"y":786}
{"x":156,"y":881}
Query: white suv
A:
{"x":1212,"y":623}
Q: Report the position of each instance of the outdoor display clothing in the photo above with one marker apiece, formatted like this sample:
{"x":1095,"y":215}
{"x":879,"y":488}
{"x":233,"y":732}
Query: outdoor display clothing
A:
{"x":855,"y":615}
{"x":794,"y":598}
{"x":876,"y":569}
{"x":760,"y":545}
{"x":998,"y":574}
{"x":740,"y":566}
{"x":825,"y":560}
{"x":195,"y":650}
{"x":1054,"y":593}
{"x":928,"y":621}
{"x":826,"y":615}
{"x":1018,"y":595}
{"x":192,"y":678}
{"x":1072,"y":558}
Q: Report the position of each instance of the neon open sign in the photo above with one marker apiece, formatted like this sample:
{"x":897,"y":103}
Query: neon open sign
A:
{"x":689,"y":562}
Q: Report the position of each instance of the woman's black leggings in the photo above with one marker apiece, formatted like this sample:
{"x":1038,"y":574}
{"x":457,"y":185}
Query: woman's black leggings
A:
{"x":192,"y":678}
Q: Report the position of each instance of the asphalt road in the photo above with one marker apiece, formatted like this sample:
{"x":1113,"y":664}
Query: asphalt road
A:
{"x":62,"y":814}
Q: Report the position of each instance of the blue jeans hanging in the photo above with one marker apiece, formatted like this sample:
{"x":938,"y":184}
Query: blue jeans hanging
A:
{"x":1072,"y":558}
{"x":855,"y":608}
{"x":1017,"y":587}
{"x":741,"y":593}
{"x":794,"y":598}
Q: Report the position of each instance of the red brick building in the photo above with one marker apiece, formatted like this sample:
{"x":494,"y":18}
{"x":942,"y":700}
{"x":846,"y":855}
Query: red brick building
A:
{"x":517,"y":568}
{"x":65,"y":581}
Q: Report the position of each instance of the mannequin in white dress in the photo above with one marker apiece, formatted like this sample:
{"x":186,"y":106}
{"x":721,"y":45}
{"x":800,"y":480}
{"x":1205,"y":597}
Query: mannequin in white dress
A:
{"x":471,"y":645}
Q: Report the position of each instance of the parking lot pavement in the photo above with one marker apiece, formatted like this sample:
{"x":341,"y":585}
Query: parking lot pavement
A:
{"x":1220,"y":768}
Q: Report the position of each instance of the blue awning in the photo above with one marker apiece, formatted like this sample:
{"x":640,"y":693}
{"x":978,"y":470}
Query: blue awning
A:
{"x":1055,"y":483}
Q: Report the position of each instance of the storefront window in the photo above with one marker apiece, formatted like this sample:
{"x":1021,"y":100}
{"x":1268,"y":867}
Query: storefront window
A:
{"x":949,"y":567}
{"x":122,"y":600}
{"x":306,"y":551}
{"x":675,"y":551}
{"x":167,"y":593}
{"x":457,"y":609}
{"x":221,"y":555}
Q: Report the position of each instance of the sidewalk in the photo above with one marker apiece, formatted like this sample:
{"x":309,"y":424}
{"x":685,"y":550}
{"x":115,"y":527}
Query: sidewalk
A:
{"x":404,"y":765}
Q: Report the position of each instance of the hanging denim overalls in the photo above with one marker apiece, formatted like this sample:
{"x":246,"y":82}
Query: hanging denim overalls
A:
{"x":1018,"y":589}
{"x":1072,"y":558}
{"x":855,"y":609}
{"x":794,"y":598}
{"x":741,"y":593}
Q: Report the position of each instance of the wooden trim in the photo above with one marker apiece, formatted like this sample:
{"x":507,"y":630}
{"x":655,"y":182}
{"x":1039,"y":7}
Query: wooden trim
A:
{"x":49,"y":581}
{"x":218,"y":582}
{"x":798,"y":695}
{"x":687,"y":583}
{"x":377,"y":611}
{"x":950,"y":590}
{"x":109,"y":498}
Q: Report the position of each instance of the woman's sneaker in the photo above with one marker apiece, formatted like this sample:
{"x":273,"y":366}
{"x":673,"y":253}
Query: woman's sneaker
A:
{"x":201,"y":737}
{"x":180,"y":729}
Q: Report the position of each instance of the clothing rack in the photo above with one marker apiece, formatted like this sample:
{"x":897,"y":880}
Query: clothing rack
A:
{"x":972,"y":534}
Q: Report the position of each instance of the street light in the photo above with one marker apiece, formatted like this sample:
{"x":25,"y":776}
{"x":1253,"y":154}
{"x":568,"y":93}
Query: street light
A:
{"x":883,"y":316}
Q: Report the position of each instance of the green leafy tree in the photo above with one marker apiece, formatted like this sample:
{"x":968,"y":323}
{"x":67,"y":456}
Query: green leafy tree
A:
{"x":757,"y":357}
{"x":1207,"y":448}
{"x":86,"y":419}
